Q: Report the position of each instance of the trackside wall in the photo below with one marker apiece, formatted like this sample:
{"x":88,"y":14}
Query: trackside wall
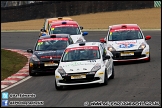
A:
{"x":67,"y":8}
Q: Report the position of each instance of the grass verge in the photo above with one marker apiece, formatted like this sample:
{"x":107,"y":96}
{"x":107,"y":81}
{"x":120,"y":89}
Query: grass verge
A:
{"x":11,"y":63}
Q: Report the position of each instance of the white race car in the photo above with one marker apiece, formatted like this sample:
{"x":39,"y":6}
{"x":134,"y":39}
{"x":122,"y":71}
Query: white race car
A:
{"x":127,"y":43}
{"x":68,"y":27}
{"x":84,"y":63}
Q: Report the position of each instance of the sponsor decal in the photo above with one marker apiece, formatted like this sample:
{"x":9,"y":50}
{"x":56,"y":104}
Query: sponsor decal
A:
{"x":81,"y":48}
{"x":43,"y":52}
{"x":124,"y":29}
{"x":50,"y":57}
{"x":48,"y":39}
{"x":66,"y":25}
{"x":126,"y":44}
{"x":79,"y":64}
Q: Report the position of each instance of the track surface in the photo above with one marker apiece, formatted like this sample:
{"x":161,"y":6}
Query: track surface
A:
{"x":133,"y":82}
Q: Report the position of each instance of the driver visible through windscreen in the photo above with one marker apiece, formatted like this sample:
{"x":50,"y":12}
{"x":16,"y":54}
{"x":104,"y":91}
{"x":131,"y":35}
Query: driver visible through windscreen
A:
{"x":51,"y":44}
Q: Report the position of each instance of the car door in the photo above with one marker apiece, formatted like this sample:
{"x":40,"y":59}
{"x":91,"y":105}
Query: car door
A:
{"x":103,"y":54}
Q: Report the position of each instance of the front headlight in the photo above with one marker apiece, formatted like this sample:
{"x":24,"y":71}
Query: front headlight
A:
{"x":34,"y":57}
{"x":142,"y":46}
{"x":61,"y":70}
{"x":96,"y":67}
{"x":110,"y":48}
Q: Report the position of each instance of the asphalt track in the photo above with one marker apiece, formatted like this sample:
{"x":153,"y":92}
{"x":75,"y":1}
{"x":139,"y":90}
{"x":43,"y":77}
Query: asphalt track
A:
{"x":133,"y":82}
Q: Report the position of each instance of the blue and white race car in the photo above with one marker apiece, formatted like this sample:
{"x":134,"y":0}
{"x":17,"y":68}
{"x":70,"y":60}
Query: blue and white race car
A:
{"x":84,"y":63}
{"x":127,"y":43}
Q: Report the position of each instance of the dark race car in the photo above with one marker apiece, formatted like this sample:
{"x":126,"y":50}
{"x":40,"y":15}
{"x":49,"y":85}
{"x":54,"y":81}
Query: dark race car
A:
{"x":47,"y":53}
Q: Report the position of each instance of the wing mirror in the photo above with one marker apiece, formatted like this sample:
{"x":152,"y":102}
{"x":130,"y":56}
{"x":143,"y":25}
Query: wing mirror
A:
{"x":102,"y":40}
{"x":106,"y":57}
{"x":29,"y":50}
{"x":147,"y":37}
{"x":85,"y":33}
{"x":43,"y":30}
{"x":81,"y":27}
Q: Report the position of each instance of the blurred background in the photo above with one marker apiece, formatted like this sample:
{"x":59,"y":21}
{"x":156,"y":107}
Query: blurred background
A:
{"x":17,"y":3}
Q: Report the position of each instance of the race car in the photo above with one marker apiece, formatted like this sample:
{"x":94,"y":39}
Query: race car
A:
{"x":47,"y":53}
{"x":68,"y":27}
{"x":48,"y":21}
{"x":84,"y":63}
{"x":127,"y":43}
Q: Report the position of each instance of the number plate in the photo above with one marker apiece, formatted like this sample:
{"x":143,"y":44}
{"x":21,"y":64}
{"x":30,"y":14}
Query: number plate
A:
{"x":78,"y":76}
{"x":127,"y":53}
{"x":50,"y":64}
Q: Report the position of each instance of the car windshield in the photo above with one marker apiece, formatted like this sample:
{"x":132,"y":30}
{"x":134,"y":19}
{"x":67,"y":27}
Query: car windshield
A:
{"x":124,"y":35}
{"x":51,"y":44}
{"x":81,"y":53}
{"x":66,"y":30}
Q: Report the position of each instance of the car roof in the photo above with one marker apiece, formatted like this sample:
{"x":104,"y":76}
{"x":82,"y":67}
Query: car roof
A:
{"x":59,"y":18}
{"x":68,"y":22}
{"x":125,"y":26}
{"x":82,"y":44}
{"x":51,"y":20}
{"x":55,"y":36}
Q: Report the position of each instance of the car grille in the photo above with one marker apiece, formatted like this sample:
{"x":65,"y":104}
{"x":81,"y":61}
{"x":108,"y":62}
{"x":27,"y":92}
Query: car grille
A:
{"x":137,"y":54}
{"x":89,"y":77}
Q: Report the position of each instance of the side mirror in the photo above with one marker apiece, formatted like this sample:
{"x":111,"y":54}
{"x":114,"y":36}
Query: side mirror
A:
{"x":81,"y":27}
{"x":106,"y":57}
{"x":85,"y":33}
{"x":147,"y":37}
{"x":102,"y":40}
{"x":29,"y":50}
{"x":43,"y":30}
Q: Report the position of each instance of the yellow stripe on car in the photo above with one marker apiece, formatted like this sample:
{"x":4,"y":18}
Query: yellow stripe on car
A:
{"x":57,"y":76}
{"x":100,"y":73}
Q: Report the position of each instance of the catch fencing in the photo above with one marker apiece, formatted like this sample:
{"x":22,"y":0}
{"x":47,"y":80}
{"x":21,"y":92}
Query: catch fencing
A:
{"x":157,"y":3}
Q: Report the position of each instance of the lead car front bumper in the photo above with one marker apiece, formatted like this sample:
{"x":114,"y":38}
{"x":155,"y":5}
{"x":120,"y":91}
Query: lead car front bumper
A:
{"x":139,"y":54}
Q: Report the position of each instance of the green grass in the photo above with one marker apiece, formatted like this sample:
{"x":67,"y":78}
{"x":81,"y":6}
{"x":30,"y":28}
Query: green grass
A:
{"x":11,"y":63}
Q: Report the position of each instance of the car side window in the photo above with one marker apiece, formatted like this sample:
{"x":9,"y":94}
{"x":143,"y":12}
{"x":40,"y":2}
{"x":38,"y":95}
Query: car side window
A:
{"x":71,"y":41}
{"x":107,"y":34}
{"x":103,"y":51}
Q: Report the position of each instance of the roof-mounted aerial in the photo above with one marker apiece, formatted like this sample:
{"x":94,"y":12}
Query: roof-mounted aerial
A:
{"x":53,"y":36}
{"x":63,"y":22}
{"x":59,"y":17}
{"x":123,"y":26}
{"x":82,"y":44}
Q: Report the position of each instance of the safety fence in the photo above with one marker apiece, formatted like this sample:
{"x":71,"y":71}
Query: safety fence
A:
{"x":157,"y":3}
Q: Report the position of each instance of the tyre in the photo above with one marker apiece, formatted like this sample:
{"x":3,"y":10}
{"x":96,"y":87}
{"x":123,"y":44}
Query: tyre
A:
{"x":58,"y":87}
{"x":105,"y":78}
{"x":112,"y":76}
{"x":30,"y":73}
{"x":149,"y":58}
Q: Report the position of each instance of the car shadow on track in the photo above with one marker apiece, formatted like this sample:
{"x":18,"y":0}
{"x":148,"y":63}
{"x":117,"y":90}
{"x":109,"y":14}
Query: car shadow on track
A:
{"x":129,"y":62}
{"x":84,"y":86}
{"x":44,"y":74}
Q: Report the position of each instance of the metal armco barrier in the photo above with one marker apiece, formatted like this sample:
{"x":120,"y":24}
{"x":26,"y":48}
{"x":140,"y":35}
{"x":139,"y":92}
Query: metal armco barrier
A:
{"x":157,"y":3}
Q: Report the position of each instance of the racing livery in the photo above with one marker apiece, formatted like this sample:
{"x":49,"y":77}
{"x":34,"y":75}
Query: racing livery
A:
{"x":68,"y":27}
{"x":47,"y":53}
{"x":84,"y":63}
{"x":127,"y":42}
